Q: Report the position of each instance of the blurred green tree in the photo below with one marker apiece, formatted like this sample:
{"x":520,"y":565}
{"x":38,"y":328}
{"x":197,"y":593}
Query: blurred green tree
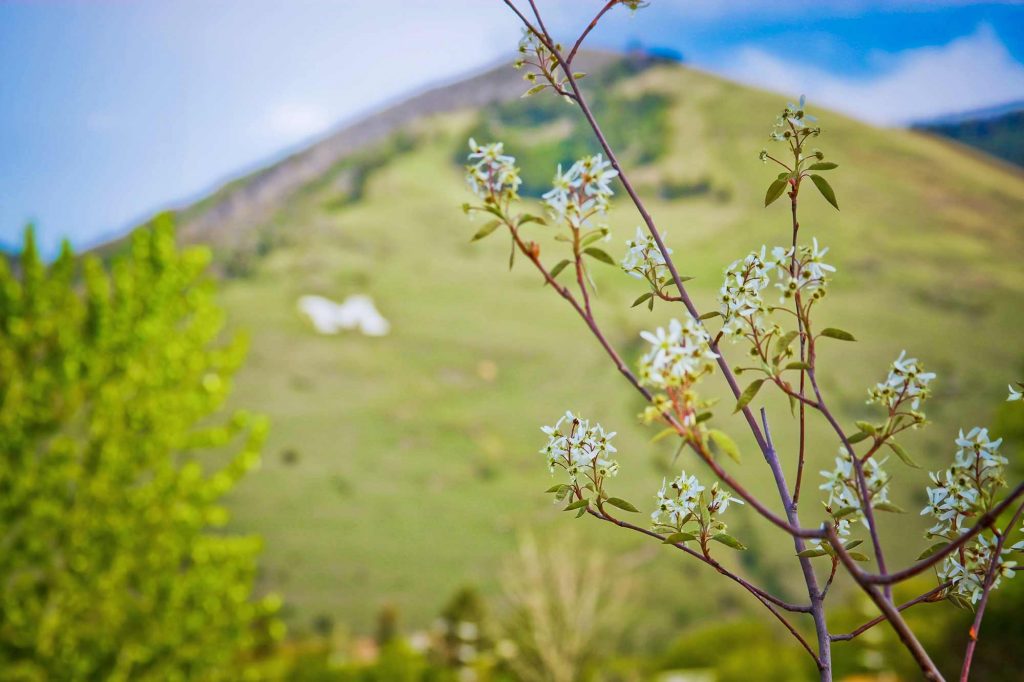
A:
{"x":113,"y":378}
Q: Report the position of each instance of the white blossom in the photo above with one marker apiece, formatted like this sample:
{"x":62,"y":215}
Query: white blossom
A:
{"x":1016,"y":394}
{"x":581,"y":192}
{"x":844,"y":490}
{"x":492,"y":174}
{"x":579,"y":448}
{"x":676,"y":357}
{"x":643,"y":258}
{"x":907,"y":381}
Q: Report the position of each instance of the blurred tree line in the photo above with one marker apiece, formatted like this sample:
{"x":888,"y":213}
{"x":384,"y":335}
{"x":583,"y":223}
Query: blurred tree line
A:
{"x":113,"y":376}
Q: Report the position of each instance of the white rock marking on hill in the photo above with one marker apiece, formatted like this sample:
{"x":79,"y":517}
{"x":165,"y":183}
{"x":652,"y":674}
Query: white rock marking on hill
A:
{"x":357,"y":312}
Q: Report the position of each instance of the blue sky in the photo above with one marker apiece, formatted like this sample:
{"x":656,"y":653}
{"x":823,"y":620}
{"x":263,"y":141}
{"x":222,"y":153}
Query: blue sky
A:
{"x":111,"y":109}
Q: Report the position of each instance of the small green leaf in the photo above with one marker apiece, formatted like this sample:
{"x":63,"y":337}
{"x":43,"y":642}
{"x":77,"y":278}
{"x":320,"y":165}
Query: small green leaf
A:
{"x":783,"y":343}
{"x":825,"y":189}
{"x":932,"y":550}
{"x":708,"y":316}
{"x":535,"y":89}
{"x":704,"y":416}
{"x":775,"y":191}
{"x":833,"y":333}
{"x":859,"y":556}
{"x":867,"y":427}
{"x":593,"y":237}
{"x":823,"y":166}
{"x":902,"y":454}
{"x":676,"y":538}
{"x":748,"y":394}
{"x":600,"y":255}
{"x":642,"y":299}
{"x":725,"y":444}
{"x":664,"y":433}
{"x":556,"y":488}
{"x":812,"y":553}
{"x":959,"y":601}
{"x":528,"y":218}
{"x":853,"y":543}
{"x":578,"y":504}
{"x":728,"y":541}
{"x":844,"y":511}
{"x":798,"y":365}
{"x":488,"y":228}
{"x":557,"y":270}
{"x":622,"y":504}
{"x":889,"y":507}
{"x":858,"y":437}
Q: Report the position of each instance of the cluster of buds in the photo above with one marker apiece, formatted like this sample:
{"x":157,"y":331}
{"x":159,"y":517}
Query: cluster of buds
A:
{"x":491,"y":174}
{"x":644,"y":259}
{"x":542,"y":67}
{"x":582,"y":192}
{"x":580,"y":449}
{"x":907,"y":384}
{"x":844,"y":495}
{"x":792,"y":123}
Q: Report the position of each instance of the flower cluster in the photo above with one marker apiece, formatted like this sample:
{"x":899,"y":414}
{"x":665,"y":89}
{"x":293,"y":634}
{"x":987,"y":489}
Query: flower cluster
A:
{"x":492,"y":175}
{"x":543,"y":65}
{"x":967,"y":488}
{"x":793,"y":121}
{"x":844,"y":498}
{"x":907,"y":381}
{"x":581,"y":192}
{"x":740,"y":299}
{"x":962,"y":492}
{"x":968,"y":570}
{"x":581,"y":449}
{"x":644,"y":259}
{"x":684,"y":499}
{"x":678,"y":357}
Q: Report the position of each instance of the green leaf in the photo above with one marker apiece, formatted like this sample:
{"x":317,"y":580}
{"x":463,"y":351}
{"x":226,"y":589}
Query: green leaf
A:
{"x":748,"y":394}
{"x":833,"y":333}
{"x":889,"y":507}
{"x":708,"y":316}
{"x":528,"y":218}
{"x":598,"y":254}
{"x":853,"y":543}
{"x":775,"y":191}
{"x":725,"y":444}
{"x":902,"y":454}
{"x":664,"y":433}
{"x":535,"y":89}
{"x":812,"y":553}
{"x":512,"y":255}
{"x":728,"y":541}
{"x":488,"y":228}
{"x":578,"y":504}
{"x":825,"y":189}
{"x":866,"y":427}
{"x":556,"y":488}
{"x":676,"y":538}
{"x":858,"y":437}
{"x":823,"y":166}
{"x":642,"y":299}
{"x":798,"y":365}
{"x":783,"y":343}
{"x":932,"y":550}
{"x":557,"y":270}
{"x":622,"y":504}
{"x":959,"y":601}
{"x":859,"y":556}
{"x":594,"y":236}
{"x":843,"y":511}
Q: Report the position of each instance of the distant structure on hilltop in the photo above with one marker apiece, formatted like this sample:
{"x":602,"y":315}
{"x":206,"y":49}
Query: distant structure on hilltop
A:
{"x":647,"y":54}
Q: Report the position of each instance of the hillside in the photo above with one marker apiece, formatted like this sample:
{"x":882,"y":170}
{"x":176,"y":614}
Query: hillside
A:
{"x":399,"y":468}
{"x":999,"y":133}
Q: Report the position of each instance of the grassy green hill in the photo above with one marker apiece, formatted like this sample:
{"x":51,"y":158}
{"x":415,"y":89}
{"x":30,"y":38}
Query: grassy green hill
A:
{"x":400,"y":468}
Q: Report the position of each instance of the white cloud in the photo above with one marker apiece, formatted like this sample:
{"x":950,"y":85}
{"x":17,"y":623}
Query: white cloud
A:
{"x":294,"y":121}
{"x":970,"y":72}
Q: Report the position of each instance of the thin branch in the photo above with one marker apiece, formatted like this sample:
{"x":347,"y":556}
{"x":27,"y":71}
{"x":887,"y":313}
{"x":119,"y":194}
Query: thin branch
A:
{"x":972,"y":641}
{"x":588,"y":29}
{"x":891,"y":614}
{"x":926,"y":597}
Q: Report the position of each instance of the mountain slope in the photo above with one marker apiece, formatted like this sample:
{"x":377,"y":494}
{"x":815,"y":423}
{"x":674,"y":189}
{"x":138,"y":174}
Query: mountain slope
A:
{"x":399,"y":468}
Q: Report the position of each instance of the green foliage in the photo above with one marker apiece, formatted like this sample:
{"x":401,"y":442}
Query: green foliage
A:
{"x":112,"y":380}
